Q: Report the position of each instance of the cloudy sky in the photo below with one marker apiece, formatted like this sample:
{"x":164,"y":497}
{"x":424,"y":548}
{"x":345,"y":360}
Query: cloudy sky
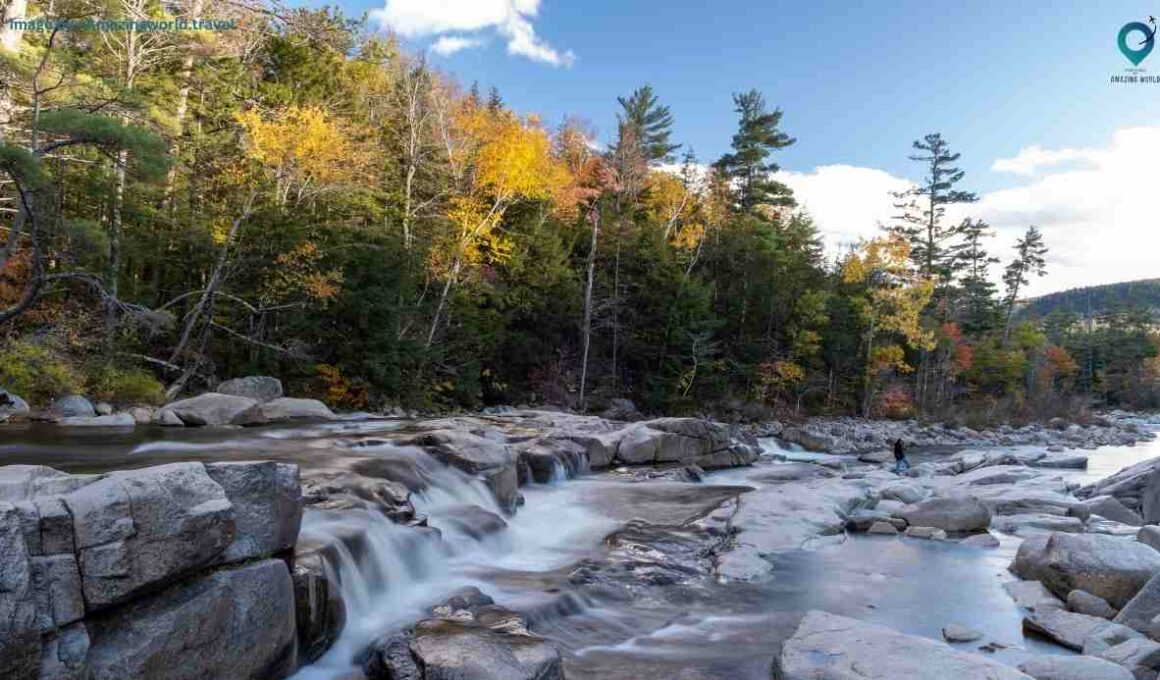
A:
{"x":1022,"y":90}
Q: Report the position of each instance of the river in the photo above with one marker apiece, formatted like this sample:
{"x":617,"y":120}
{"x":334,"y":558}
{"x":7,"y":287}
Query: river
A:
{"x":608,"y":626}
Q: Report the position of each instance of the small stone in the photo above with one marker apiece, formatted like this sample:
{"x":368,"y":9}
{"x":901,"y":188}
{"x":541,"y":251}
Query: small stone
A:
{"x":884,"y":528}
{"x":959,"y":633}
{"x":926,"y":532}
{"x":983,"y":540}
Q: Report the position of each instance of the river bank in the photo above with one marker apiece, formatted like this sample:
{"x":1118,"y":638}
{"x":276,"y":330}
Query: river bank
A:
{"x":595,"y":555}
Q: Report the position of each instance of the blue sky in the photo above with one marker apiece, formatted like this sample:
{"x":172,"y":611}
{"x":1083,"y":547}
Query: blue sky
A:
{"x":857,"y":82}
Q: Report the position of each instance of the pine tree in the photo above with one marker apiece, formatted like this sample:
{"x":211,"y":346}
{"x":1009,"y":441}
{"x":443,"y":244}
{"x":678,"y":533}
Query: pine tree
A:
{"x":924,"y":209}
{"x":1030,"y":252}
{"x":980,"y":311}
{"x":749,"y":167}
{"x":647,"y":122}
{"x":494,"y":101}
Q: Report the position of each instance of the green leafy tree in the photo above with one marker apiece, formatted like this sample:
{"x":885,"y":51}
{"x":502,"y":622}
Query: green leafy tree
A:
{"x":749,"y":166}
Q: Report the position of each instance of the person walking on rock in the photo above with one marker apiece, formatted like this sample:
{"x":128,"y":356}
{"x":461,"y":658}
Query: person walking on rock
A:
{"x":901,"y":464}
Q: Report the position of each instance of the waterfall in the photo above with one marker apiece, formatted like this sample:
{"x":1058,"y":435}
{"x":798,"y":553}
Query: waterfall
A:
{"x":389,"y":574}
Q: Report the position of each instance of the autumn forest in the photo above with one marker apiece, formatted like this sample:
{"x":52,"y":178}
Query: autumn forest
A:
{"x":303,"y":197}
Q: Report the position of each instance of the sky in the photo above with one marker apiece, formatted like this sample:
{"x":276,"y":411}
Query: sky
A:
{"x":1021,"y":89}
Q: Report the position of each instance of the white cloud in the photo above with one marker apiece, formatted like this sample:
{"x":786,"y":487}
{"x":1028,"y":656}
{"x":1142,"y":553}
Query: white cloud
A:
{"x":1100,"y":218}
{"x":1096,"y":207}
{"x":511,"y":19}
{"x":450,"y":44}
{"x":1031,"y":159}
{"x":848,"y":203}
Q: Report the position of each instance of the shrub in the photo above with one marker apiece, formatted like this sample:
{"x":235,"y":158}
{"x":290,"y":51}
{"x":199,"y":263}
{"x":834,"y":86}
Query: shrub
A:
{"x":895,"y":403}
{"x":120,"y":385}
{"x":36,"y":372}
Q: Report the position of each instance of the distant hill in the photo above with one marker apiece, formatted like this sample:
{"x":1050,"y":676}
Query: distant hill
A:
{"x":1096,"y":300}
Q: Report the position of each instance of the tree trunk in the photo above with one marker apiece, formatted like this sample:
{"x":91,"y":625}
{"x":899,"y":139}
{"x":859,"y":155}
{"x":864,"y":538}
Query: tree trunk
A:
{"x":588,"y":309}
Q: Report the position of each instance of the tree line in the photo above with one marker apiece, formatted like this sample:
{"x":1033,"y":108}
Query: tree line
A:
{"x":305,"y":198}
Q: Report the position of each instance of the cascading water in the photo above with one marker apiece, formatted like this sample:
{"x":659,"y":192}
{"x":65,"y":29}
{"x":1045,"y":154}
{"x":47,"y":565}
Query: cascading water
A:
{"x":389,"y":574}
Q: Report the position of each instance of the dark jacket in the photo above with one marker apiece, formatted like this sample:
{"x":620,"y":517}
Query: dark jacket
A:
{"x":899,"y":454}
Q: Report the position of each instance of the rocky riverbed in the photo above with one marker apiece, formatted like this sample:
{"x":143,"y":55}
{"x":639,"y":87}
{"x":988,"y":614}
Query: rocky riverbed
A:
{"x":541,"y":545}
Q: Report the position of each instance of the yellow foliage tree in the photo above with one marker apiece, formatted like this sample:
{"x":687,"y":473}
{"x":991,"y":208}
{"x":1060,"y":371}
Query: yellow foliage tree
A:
{"x":507,"y":159}
{"x":307,"y":149}
{"x":892,"y":304}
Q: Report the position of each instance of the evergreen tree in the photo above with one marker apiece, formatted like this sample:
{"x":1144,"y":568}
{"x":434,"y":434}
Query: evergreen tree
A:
{"x":644,"y":121}
{"x":1030,"y":252}
{"x":980,"y":310}
{"x":749,"y":166}
{"x":494,"y":101}
{"x":924,"y":209}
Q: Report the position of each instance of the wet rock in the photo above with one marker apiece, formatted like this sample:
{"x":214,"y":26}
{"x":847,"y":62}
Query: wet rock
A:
{"x":12,"y":405}
{"x":794,"y":472}
{"x":1036,"y":523}
{"x":1106,"y":566}
{"x":267,"y":502}
{"x":440,"y":649}
{"x":949,"y":513}
{"x":862,"y":519}
{"x":240,"y":622}
{"x":542,"y":459}
{"x":686,"y":440}
{"x":787,"y":517}
{"x":885,"y":528}
{"x":621,"y":409}
{"x":319,"y":610}
{"x":1083,"y":602}
{"x":983,"y":540}
{"x":1139,"y":612}
{"x":1149,"y":535}
{"x":389,"y":658}
{"x":830,"y":646}
{"x":876,"y":457}
{"x":288,"y":408}
{"x":1073,"y":668}
{"x":904,"y":493}
{"x":142,"y":415}
{"x":1032,"y":595}
{"x":103,"y":408}
{"x":141,"y":528}
{"x":65,"y":654}
{"x":114,"y":420}
{"x":166,"y":418}
{"x":1077,"y":631}
{"x":260,"y":388}
{"x":215,"y":409}
{"x":958,"y":633}
{"x":1062,"y":462}
{"x":74,"y":405}
{"x":1141,"y":657}
{"x":469,"y":520}
{"x":1109,"y":507}
{"x":927,"y":533}
{"x":493,"y":462}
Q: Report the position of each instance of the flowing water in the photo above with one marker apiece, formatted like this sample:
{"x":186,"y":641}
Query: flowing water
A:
{"x":611,"y":627}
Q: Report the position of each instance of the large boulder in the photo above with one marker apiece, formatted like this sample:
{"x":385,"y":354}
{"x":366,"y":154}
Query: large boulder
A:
{"x":1143,"y":607}
{"x":319,"y":610}
{"x":691,"y":441}
{"x":235,"y":623}
{"x":111,"y":420}
{"x":949,"y":513}
{"x":1083,"y":633}
{"x":139,"y":529}
{"x":1110,"y":567}
{"x":492,"y":461}
{"x":288,"y":408}
{"x":261,"y":388}
{"x":212,"y":408}
{"x":12,"y":405}
{"x":1073,"y":668}
{"x":453,"y":650}
{"x":71,"y":406}
{"x":827,"y":646}
{"x":267,"y":501}
{"x":1141,"y":657}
